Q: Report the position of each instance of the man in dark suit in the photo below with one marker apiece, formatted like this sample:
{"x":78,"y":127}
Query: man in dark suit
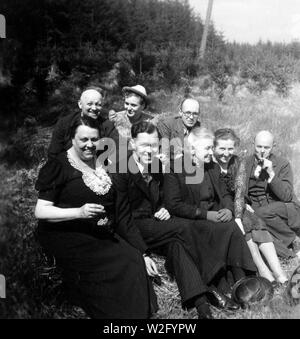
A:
{"x":90,"y":104}
{"x":270,"y":192}
{"x":173,"y":130}
{"x":188,"y":258}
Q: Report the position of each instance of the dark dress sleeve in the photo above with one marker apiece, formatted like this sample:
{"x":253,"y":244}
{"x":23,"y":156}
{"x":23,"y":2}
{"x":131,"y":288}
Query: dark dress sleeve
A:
{"x":50,"y":180}
{"x":174,"y":202}
{"x":57,"y":144}
{"x":282,"y":183}
{"x":126,"y":226}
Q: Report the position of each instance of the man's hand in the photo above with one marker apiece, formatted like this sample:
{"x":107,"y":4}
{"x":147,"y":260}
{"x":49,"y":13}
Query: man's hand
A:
{"x":112,"y":115}
{"x":268,"y":166}
{"x":162,"y":214}
{"x":150,"y":266}
{"x":224,"y":215}
{"x":212,"y":216}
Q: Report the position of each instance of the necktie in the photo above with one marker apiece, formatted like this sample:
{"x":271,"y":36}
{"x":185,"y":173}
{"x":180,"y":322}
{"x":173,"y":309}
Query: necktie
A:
{"x":147,"y":177}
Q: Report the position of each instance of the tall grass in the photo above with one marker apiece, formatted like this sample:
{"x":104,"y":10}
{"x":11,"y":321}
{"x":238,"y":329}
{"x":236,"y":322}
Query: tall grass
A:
{"x":247,"y":114}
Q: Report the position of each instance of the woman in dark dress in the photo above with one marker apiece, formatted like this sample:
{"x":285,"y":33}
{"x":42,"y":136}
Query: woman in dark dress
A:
{"x":232,"y":172}
{"x":80,"y":224}
{"x":196,"y":193}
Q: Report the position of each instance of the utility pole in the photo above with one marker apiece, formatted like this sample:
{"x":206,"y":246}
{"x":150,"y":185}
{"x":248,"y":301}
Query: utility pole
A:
{"x":206,"y":28}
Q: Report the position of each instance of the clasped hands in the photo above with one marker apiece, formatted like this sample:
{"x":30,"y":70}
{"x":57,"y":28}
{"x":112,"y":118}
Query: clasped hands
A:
{"x":162,"y":214}
{"x":223,"y":215}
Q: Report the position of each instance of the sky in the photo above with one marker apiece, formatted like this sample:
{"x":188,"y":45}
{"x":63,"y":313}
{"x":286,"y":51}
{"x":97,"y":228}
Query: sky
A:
{"x":254,"y":20}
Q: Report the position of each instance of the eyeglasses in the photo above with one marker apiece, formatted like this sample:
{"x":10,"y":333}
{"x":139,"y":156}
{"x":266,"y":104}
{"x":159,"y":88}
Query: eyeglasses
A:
{"x":191,"y":114}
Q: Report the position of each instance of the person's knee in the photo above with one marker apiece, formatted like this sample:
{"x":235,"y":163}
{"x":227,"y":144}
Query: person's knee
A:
{"x":230,"y":225}
{"x":270,"y":210}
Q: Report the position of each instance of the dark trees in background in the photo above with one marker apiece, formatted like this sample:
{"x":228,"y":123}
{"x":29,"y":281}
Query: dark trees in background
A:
{"x":54,"y":48}
{"x":51,"y":43}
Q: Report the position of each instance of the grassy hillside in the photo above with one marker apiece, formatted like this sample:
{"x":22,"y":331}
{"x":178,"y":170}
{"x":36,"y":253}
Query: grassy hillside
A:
{"x":247,"y":114}
{"x":33,"y":284}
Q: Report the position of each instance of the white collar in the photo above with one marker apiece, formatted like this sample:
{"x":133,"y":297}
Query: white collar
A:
{"x":139,"y":165}
{"x":225,"y":171}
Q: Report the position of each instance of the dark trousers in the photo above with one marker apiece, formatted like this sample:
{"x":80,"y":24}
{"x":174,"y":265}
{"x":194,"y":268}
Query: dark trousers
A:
{"x":175,"y":240}
{"x":275,"y":216}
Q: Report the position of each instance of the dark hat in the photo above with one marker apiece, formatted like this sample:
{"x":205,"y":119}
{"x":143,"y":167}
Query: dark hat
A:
{"x":293,"y":288}
{"x":139,"y":90}
{"x":250,"y":290}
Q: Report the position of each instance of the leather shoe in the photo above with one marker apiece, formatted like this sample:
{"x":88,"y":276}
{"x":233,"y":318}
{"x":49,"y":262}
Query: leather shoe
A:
{"x":219,"y":300}
{"x":204,"y":311}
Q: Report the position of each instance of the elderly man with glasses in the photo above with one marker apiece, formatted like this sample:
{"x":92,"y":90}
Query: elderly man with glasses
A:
{"x":173,"y":130}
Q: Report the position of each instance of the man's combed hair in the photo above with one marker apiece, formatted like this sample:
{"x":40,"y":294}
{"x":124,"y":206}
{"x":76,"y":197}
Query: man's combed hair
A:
{"x":226,"y":134}
{"x":143,"y":127}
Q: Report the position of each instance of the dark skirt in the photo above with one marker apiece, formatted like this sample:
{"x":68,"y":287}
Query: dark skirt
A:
{"x":255,"y":228}
{"x":227,"y":242}
{"x":105,"y":276}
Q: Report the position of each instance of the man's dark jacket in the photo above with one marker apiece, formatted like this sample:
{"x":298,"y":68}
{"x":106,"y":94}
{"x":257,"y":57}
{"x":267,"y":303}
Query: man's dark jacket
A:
{"x":61,"y":140}
{"x":280,"y":188}
{"x":134,"y":192}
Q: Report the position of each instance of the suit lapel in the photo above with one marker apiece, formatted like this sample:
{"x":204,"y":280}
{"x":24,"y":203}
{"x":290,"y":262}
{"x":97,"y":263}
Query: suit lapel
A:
{"x":179,"y":129}
{"x":214,"y":175}
{"x":274,"y":162}
{"x":189,"y":171}
{"x":140,"y":183}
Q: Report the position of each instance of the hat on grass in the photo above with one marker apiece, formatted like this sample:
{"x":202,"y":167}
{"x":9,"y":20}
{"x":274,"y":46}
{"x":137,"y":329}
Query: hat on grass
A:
{"x":250,"y":290}
{"x":139,"y":90}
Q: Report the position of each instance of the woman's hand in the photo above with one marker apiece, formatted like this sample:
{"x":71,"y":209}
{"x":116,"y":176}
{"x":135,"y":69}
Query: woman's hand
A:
{"x":150,"y":266}
{"x":89,"y":211}
{"x":45,"y":210}
{"x":224,"y":215}
{"x":212,"y":216}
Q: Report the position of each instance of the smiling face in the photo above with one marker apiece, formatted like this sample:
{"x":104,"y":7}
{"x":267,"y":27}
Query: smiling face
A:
{"x":85,"y":142}
{"x":133,"y":105}
{"x":90,"y":103}
{"x":146,"y":147}
{"x":202,"y":148}
{"x":190,"y":112}
{"x":224,"y":150}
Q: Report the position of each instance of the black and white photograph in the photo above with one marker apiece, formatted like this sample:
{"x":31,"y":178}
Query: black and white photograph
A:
{"x":150,"y":162}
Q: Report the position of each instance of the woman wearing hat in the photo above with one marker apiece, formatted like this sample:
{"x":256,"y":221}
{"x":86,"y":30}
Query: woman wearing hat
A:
{"x":135,"y":101}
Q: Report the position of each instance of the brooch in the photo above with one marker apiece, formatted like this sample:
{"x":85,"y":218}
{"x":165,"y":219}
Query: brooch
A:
{"x":102,"y":222}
